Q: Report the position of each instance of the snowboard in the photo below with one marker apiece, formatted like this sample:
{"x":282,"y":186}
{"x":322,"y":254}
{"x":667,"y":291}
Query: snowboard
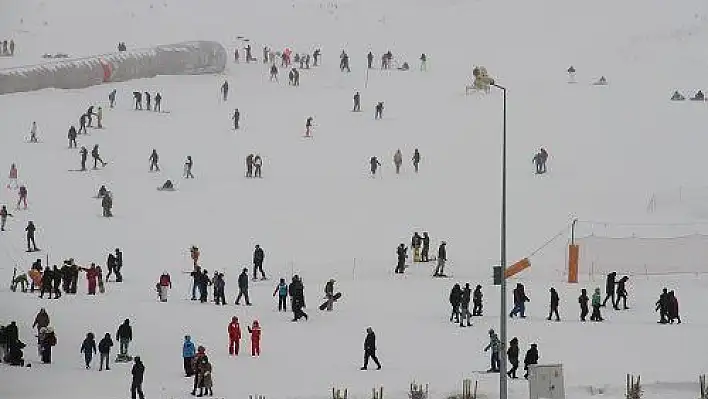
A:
{"x":442,"y":276}
{"x":33,"y":250}
{"x":123,"y":359}
{"x":335,"y":298}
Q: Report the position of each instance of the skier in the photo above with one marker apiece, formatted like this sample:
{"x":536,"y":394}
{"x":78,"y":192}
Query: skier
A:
{"x":30,"y":229}
{"x":495,"y":346}
{"x":158,"y":102}
{"x":33,"y":133}
{"x":369,"y":60}
{"x":138,"y":372}
{"x":153,"y":161}
{"x":12,"y":183}
{"x":72,"y":137}
{"x":249,"y":165}
{"x":138,"y":100}
{"x":378,"y":113}
{"x":662,"y":305}
{"x":88,"y":348}
{"x":423,"y":62}
{"x":273,"y":73}
{"x":236,"y":117}
{"x":255,"y":331}
{"x":282,"y":291}
{"x":234,"y":336}
{"x":188,"y":168}
{"x":107,"y":204}
{"x":555,"y":300}
{"x":99,"y":117}
{"x":374,"y":162}
{"x":530,"y":359}
{"x":124,"y":336}
{"x":596,"y":303}
{"x":225,"y":90}
{"x":96,"y":157}
{"x":104,"y":350}
{"x":370,"y":349}
{"x":258,"y":257}
{"x":257,"y":164}
{"x":82,"y":124}
{"x":147,"y":101}
{"x":22,"y":196}
{"x":455,"y":300}
{"x":622,"y":293}
{"x":188,"y":352}
{"x":401,"y":265}
{"x":425,"y":241}
{"x":398,"y":160}
{"x":673,"y":310}
{"x":583,"y":301}
{"x":112,"y":98}
{"x":3,"y":217}
{"x":520,"y":300}
{"x":610,"y":288}
{"x":477,"y":300}
{"x":163,"y":285}
{"x":357,"y":102}
{"x":308,"y":126}
{"x":513,"y":355}
{"x":243,"y":287}
{"x":465,"y":306}
{"x":442,"y":258}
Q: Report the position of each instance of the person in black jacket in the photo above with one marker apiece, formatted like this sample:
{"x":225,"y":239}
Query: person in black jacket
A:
{"x":243,"y":287}
{"x":455,"y":300}
{"x":531,"y":358}
{"x":258,"y":257}
{"x":138,"y":373}
{"x":520,"y":300}
{"x":297,"y":294}
{"x":424,"y":257}
{"x":662,"y":305}
{"x":56,"y":274}
{"x":477,"y":301}
{"x":583,"y":301}
{"x":370,"y":349}
{"x":30,"y":229}
{"x":610,"y":288}
{"x":622,"y":293}
{"x":555,"y":300}
{"x":513,"y":355}
{"x":47,"y":279}
{"x":104,"y":350}
{"x":442,"y":258}
{"x":401,"y":253}
{"x":88,"y":348}
{"x":119,"y":265}
{"x":124,"y":336}
{"x":465,"y":306}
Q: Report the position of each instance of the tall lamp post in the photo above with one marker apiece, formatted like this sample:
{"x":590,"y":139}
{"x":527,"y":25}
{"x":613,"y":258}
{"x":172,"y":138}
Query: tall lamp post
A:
{"x":502,"y":286}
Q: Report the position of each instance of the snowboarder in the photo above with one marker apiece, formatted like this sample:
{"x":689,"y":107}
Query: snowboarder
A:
{"x":30,"y":229}
{"x":374,"y":162}
{"x":188,"y":168}
{"x":282,"y":291}
{"x":308,"y":126}
{"x":513,"y":355}
{"x":112,"y":98}
{"x":370,"y":349}
{"x":369,"y":60}
{"x":329,"y":295}
{"x":401,"y":253}
{"x":442,"y":258}
{"x":610,"y":288}
{"x":583,"y":301}
{"x":357,"y":102}
{"x":257,"y":164}
{"x":520,"y":300}
{"x":243,"y":287}
{"x":107,"y":204}
{"x":249,"y":165}
{"x":596,"y":303}
{"x":72,"y":137}
{"x":104,"y":350}
{"x":3,"y":217}
{"x":236,"y":117}
{"x":455,"y":300}
{"x":147,"y":101}
{"x":234,"y":336}
{"x":465,"y":306}
{"x":258,"y":258}
{"x":378,"y":113}
{"x":154,"y":158}
{"x":662,"y":305}
{"x":33,"y":133}
{"x":88,"y":348}
{"x":188,"y":352}
{"x":495,"y":346}
{"x":138,"y":372}
{"x":138,"y":97}
{"x":398,"y":160}
{"x":622,"y":293}
{"x":423,"y":62}
{"x":555,"y":300}
{"x":255,"y":331}
{"x":158,"y":102}
{"x":22,"y":196}
{"x":225,"y":90}
{"x":124,"y":336}
{"x":163,"y":286}
{"x":530,"y":359}
{"x":96,"y":157}
{"x":477,"y":300}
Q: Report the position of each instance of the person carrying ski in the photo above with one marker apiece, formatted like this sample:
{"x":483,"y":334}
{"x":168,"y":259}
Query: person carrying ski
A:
{"x":234,"y":336}
{"x":495,"y":346}
{"x":258,"y":258}
{"x":442,"y":258}
{"x":398,"y":160}
{"x":374,"y":162}
{"x":154,"y":158}
{"x":583,"y":301}
{"x":282,"y":291}
{"x":88,"y":348}
{"x":555,"y":300}
{"x":513,"y":355}
{"x":531,"y":358}
{"x":243,"y":287}
{"x":255,"y":331}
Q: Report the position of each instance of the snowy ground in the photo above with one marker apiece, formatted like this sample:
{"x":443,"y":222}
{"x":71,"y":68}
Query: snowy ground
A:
{"x":319,"y":214}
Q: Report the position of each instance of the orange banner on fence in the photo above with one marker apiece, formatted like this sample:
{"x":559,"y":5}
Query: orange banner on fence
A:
{"x":573,"y":255}
{"x":517,"y":268}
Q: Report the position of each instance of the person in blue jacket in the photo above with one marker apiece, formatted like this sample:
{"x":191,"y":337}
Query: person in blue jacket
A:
{"x":188,"y":353}
{"x":282,"y":291}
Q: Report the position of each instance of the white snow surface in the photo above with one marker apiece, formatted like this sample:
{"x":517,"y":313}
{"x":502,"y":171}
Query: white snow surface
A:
{"x":319,"y":214}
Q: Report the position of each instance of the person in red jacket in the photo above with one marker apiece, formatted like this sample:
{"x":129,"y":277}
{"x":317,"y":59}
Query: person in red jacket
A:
{"x":92,"y":278}
{"x":234,"y":336}
{"x":255,"y":331}
{"x":164,"y":284}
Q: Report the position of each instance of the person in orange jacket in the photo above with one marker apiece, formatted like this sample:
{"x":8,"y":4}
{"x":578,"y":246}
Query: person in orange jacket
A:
{"x":255,"y":331}
{"x":234,"y":336}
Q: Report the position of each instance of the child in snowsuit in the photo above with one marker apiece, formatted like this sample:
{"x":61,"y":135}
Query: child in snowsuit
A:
{"x":234,"y":336}
{"x":282,"y":291}
{"x":255,"y":332}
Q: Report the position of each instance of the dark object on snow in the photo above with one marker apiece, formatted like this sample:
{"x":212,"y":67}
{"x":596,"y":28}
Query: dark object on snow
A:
{"x":167,"y":186}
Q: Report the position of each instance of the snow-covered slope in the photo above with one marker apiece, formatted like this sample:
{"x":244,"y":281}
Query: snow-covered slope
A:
{"x":318,"y":213}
